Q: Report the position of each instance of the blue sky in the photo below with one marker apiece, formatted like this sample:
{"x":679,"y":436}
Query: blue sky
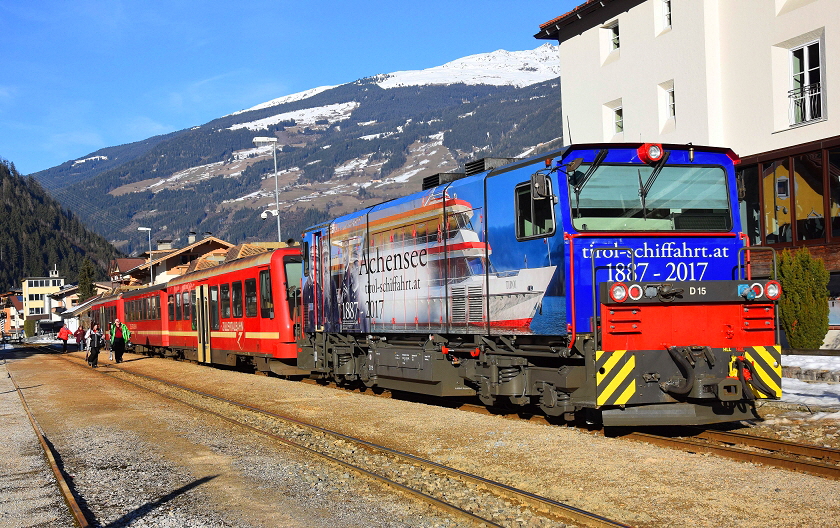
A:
{"x":81,"y":75}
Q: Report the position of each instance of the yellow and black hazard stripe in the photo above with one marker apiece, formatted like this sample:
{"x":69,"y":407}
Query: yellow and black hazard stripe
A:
{"x":615,"y":377}
{"x":767,"y":365}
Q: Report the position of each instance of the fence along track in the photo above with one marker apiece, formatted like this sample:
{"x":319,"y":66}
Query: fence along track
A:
{"x":543,"y":506}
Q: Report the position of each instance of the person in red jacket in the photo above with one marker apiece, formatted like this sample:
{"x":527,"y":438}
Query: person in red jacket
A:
{"x":64,"y":334}
{"x":80,"y":337}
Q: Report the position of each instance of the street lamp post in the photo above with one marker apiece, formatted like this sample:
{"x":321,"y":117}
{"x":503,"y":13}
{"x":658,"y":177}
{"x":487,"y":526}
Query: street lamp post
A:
{"x":149,"y":231}
{"x":261,"y":141}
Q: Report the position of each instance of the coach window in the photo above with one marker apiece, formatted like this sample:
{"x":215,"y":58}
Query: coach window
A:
{"x":185,"y":302}
{"x":266,"y":301}
{"x":236,"y":297}
{"x":178,"y":307}
{"x":224,"y":293}
{"x":192,"y":302}
{"x":251,"y":297}
{"x":534,"y":216}
{"x":214,"y":307}
{"x":171,"y":303}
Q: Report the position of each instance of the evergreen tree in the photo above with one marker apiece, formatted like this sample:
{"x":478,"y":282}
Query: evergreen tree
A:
{"x":803,"y":308}
{"x":86,"y":280}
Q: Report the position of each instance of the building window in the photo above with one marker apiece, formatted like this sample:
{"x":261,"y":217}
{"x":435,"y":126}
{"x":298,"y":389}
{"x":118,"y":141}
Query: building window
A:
{"x":666,"y":12}
{"x":777,"y":206}
{"x":806,"y":84}
{"x":614,"y":39}
{"x":809,"y":189}
{"x":672,"y":105}
{"x":619,"y":120}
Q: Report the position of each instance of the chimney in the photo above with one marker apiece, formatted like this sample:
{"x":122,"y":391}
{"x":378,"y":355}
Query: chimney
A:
{"x":164,"y":245}
{"x":191,"y":238}
{"x":54,"y":272}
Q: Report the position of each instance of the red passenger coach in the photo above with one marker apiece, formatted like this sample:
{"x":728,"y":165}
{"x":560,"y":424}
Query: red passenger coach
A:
{"x":106,"y":310}
{"x":237,"y":313}
{"x":142,"y":315}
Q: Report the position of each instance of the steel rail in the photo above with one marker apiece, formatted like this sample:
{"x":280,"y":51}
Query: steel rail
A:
{"x":771,"y":444}
{"x":696,"y":446}
{"x":543,"y":505}
{"x":69,"y":498}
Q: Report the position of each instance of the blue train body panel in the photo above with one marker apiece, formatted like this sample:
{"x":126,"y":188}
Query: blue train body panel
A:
{"x":482,"y":255}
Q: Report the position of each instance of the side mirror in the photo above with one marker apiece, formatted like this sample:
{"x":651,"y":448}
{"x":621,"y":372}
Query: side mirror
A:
{"x":540,"y":186}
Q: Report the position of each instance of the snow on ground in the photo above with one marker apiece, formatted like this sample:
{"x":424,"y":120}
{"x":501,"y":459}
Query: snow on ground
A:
{"x":306,"y":94}
{"x":306,"y":117}
{"x":811,"y":393}
{"x":499,"y":68}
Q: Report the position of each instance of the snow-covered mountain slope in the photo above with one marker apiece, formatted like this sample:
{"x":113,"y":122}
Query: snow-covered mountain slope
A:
{"x":499,"y":68}
{"x":291,"y":98}
{"x":339,"y":149}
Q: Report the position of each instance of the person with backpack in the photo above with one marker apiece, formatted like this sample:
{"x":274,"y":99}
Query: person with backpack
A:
{"x":95,"y":341}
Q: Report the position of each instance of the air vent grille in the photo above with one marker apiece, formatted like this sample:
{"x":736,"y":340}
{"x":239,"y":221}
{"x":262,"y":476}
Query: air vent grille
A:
{"x":485,"y":164}
{"x":438,"y":179}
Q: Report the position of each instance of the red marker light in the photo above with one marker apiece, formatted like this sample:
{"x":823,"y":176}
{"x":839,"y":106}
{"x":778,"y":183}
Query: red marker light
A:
{"x":650,"y":152}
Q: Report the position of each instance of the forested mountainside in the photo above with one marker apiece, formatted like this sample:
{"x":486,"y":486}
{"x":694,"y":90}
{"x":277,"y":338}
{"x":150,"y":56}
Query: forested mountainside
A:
{"x":37,"y":233}
{"x":341,"y":148}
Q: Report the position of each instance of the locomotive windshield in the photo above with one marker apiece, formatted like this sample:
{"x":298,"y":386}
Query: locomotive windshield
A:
{"x":626,"y":198}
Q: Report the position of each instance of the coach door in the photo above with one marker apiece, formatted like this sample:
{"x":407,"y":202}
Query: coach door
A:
{"x":202,"y":314}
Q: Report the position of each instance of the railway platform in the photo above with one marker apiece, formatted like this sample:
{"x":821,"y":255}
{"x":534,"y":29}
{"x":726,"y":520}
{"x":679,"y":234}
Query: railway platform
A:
{"x":29,"y":493}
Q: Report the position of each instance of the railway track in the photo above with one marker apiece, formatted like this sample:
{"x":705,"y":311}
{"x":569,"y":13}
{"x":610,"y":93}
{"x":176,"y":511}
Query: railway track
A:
{"x":467,"y":496}
{"x":804,"y":458}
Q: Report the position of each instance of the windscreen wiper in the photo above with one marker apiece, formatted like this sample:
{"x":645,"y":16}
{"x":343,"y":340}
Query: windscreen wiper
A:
{"x":591,"y":170}
{"x":645,"y":189}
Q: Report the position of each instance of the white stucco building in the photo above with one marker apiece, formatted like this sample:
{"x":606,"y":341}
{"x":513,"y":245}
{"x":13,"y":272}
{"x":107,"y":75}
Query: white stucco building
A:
{"x":759,"y":76}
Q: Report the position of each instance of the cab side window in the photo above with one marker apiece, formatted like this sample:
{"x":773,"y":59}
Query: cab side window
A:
{"x":534,"y":216}
{"x":266,"y":301}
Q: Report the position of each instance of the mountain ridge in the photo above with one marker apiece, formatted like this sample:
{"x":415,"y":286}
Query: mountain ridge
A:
{"x":341,"y":148}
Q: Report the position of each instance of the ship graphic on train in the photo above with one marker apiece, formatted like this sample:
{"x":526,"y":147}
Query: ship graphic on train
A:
{"x":418,"y":268}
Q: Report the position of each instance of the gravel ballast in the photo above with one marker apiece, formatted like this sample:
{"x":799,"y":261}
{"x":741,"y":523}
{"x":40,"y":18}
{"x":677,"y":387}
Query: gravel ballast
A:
{"x":635,"y":483}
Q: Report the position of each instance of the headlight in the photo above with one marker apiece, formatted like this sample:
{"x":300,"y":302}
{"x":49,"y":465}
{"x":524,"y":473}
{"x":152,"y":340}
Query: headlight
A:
{"x":773,"y":290}
{"x":618,"y":292}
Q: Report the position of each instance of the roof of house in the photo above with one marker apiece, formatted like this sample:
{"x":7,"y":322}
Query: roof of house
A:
{"x":124,"y":264}
{"x":552,"y":29}
{"x":210,"y":239}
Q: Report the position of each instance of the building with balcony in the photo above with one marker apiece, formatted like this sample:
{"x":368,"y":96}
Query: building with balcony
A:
{"x":758,"y":76}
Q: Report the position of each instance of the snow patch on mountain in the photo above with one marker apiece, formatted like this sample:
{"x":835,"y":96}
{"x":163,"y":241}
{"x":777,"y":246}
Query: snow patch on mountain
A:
{"x":92,"y":158}
{"x":306,"y":117}
{"x":306,"y":94}
{"x":499,"y":68}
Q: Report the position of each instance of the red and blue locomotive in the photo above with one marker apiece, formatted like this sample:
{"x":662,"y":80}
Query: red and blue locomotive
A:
{"x":603,"y":281}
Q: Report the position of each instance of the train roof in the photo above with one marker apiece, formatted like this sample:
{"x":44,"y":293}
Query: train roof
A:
{"x":235,"y":265}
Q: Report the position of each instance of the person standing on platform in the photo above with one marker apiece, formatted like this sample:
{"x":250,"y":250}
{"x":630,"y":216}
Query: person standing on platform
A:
{"x":96,"y":341}
{"x":119,"y":337}
{"x":80,"y":337}
{"x":64,"y":334}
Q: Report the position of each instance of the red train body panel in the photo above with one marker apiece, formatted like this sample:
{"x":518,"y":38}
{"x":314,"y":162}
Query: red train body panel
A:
{"x":240,"y":311}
